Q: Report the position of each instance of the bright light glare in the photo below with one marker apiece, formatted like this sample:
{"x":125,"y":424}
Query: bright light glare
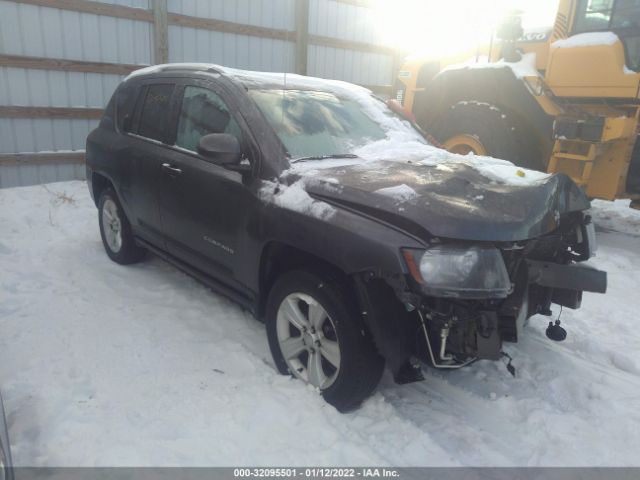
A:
{"x":438,"y":28}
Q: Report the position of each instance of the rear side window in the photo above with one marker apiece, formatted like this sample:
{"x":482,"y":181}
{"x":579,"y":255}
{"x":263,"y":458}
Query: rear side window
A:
{"x":156,"y":110}
{"x":125,"y":102}
{"x":203,"y":112}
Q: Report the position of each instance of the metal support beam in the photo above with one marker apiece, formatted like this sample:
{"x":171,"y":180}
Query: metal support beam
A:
{"x":160,"y":32}
{"x":302,"y":35}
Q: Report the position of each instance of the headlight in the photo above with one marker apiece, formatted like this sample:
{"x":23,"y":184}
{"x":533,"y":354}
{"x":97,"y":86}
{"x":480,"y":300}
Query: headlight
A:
{"x":459,"y":271}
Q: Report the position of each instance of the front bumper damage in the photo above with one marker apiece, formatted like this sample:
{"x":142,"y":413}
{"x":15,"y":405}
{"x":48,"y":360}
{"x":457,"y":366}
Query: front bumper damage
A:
{"x":449,"y":333}
{"x":566,"y":278}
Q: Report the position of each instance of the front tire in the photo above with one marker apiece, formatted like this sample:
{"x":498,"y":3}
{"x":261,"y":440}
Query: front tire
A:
{"x":115,"y":230}
{"x":316,"y":335}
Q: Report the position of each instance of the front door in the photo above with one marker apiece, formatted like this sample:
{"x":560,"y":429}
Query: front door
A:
{"x":203,"y":205}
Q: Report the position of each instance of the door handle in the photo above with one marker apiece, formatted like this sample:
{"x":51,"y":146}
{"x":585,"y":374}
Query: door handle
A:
{"x":171,"y":170}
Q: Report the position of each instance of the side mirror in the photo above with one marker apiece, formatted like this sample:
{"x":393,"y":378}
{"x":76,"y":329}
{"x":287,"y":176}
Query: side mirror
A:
{"x":221,"y":148}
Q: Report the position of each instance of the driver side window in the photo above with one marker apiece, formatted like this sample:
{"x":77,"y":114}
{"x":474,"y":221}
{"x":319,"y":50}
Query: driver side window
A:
{"x":203,"y":112}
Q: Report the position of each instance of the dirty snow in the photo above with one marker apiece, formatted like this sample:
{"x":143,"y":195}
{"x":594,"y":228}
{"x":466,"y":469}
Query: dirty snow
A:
{"x":108,"y":365}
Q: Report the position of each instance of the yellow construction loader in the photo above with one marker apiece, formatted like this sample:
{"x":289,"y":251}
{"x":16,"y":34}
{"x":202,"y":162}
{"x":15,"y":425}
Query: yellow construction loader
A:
{"x":564,"y":100}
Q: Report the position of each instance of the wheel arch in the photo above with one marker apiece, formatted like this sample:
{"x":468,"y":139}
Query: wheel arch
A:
{"x":99,"y":183}
{"x":278,"y":257}
{"x":383,"y":315}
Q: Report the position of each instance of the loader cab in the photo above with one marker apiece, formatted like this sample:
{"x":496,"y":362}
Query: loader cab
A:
{"x":621,"y":17}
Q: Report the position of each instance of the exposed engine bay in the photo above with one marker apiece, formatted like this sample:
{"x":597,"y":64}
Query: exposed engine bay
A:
{"x":542,"y":271}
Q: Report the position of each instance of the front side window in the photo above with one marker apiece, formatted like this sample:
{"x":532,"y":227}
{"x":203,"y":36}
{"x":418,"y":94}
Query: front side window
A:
{"x":155,"y":111}
{"x":203,"y":112}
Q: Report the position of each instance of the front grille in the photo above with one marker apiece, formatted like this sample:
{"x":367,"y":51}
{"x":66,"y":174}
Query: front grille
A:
{"x":633,"y":177}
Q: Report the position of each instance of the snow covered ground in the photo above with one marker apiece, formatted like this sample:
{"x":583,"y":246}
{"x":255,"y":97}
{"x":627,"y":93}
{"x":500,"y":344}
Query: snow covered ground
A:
{"x":108,"y":365}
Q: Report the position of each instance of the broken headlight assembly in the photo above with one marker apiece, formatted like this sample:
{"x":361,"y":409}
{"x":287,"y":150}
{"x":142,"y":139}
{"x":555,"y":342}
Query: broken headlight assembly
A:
{"x":459,"y":271}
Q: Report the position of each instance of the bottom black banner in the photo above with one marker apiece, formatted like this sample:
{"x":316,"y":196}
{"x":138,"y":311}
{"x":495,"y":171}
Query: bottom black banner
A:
{"x":224,"y":473}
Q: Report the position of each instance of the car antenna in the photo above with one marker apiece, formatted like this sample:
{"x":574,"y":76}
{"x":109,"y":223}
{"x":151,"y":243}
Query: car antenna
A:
{"x":284,"y":84}
{"x":284,"y":89}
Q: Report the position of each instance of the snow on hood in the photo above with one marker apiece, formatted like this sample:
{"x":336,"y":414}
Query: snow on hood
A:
{"x":401,"y":192}
{"x":295,"y":197}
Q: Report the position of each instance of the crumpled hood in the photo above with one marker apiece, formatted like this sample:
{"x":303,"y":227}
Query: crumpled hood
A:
{"x":449,"y":200}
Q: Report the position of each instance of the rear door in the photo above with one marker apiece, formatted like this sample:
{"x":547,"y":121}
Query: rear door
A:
{"x":146,"y":145}
{"x":204,"y":206}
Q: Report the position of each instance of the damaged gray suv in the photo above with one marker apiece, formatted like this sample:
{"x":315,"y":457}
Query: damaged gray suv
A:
{"x":331,"y":217}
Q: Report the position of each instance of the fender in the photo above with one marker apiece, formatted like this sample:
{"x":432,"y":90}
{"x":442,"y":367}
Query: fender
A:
{"x":350,"y":242}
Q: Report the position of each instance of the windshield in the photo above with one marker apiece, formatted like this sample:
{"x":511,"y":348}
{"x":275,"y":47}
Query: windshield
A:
{"x":321,"y":124}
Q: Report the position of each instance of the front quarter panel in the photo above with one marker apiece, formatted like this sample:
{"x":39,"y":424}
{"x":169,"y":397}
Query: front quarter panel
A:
{"x":350,"y":241}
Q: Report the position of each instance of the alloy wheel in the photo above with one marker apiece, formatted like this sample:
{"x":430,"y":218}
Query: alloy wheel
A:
{"x":308,"y":340}
{"x":112,"y":225}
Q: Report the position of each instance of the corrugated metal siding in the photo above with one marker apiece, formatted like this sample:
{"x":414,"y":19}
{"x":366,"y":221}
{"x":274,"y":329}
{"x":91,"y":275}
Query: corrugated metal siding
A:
{"x":238,"y":51}
{"x":364,"y":68}
{"x":346,"y":21}
{"x":56,"y":33}
{"x":22,"y":175}
{"x":331,"y":18}
{"x":262,"y":13}
{"x":53,"y":33}
{"x":231,"y":50}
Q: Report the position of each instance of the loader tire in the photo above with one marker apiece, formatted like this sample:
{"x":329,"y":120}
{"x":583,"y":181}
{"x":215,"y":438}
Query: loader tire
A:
{"x":485,"y":129}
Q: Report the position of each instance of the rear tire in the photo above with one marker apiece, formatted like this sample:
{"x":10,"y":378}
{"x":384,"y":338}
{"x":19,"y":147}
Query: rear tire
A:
{"x":360,"y":365}
{"x":115,"y":230}
{"x":498,"y":131}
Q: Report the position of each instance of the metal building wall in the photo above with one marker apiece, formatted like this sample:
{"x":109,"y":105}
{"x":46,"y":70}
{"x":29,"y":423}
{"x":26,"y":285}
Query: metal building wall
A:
{"x":239,"y":51}
{"x":351,"y":22}
{"x":252,"y":34}
{"x":38,"y":31}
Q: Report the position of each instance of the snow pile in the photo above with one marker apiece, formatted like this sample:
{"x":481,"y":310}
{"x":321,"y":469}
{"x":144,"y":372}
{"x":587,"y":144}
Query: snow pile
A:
{"x":401,"y":193}
{"x":591,"y":39}
{"x":616,"y":216}
{"x":104,"y":365}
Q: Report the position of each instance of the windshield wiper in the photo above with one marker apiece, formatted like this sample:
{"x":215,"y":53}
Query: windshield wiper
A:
{"x":324,"y":157}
